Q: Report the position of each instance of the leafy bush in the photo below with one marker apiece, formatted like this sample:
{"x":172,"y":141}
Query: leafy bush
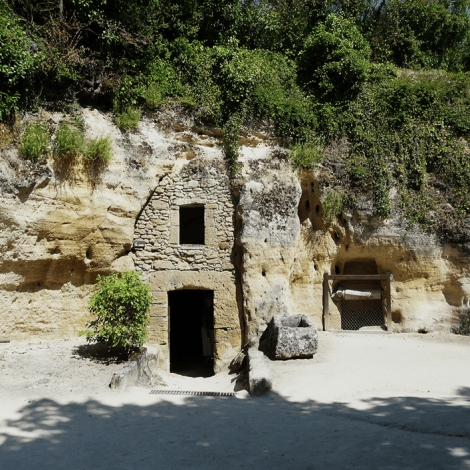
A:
{"x":231,"y":131}
{"x":335,"y":57}
{"x":462,"y":327}
{"x":121,"y":303}
{"x":35,"y":141}
{"x":407,"y":130}
{"x":69,"y":141}
{"x":16,"y":60}
{"x":129,"y":119}
{"x":333,"y":204}
{"x":153,"y":96}
{"x":307,"y":155}
{"x":99,"y":150}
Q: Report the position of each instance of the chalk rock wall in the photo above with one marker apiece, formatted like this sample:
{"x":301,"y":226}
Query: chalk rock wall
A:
{"x":269,"y":228}
{"x":62,"y":225}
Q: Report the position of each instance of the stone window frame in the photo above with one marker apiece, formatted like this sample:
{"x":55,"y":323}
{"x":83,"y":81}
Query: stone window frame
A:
{"x":210,"y":213}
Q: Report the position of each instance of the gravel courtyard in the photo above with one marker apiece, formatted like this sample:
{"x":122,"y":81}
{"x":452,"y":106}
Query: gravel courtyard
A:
{"x":365,"y":401}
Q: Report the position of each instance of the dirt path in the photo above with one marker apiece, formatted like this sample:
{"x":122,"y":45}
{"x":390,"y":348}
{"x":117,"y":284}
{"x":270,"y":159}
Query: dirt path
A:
{"x":364,"y":401}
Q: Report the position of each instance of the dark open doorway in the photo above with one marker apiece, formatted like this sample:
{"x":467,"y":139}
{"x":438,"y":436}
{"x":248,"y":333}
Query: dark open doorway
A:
{"x":191,"y":320}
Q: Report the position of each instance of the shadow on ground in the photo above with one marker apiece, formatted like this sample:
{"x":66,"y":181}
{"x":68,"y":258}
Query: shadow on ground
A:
{"x":227,"y":433}
{"x":102,"y":353}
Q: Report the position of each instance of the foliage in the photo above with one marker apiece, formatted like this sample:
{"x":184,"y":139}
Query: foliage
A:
{"x":16,"y":60}
{"x":231,"y":131}
{"x":307,"y":155}
{"x":390,"y":78}
{"x":69,"y":141}
{"x":153,"y":96}
{"x":462,"y":327}
{"x":34,"y":141}
{"x":419,"y":34}
{"x":129,"y":119}
{"x":99,"y":149}
{"x":121,"y":304}
{"x":335,"y":57}
{"x":406,"y":129}
{"x":333,"y":204}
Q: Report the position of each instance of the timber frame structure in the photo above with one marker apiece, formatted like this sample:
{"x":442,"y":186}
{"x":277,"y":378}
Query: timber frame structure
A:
{"x":383,"y":278}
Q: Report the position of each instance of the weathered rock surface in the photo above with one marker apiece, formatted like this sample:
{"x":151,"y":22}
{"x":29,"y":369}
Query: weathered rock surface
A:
{"x":61,"y":226}
{"x":142,"y":369}
{"x":237,"y":363}
{"x":260,"y":376}
{"x":292,"y":337}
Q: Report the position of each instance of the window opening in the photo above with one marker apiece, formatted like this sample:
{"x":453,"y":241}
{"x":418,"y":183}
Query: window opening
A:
{"x":192,"y":225}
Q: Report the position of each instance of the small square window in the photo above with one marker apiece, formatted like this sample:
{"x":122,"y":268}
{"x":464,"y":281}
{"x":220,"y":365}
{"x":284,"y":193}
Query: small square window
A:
{"x":192,"y":225}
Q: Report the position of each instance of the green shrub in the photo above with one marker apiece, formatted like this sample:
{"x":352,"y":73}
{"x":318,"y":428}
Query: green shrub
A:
{"x":16,"y":60}
{"x":69,"y":141}
{"x":153,"y":96}
{"x":333,"y":204}
{"x":35,"y":141}
{"x":307,"y":155}
{"x":99,"y":149}
{"x":129,"y":119}
{"x":462,"y":326}
{"x":335,"y":57}
{"x":121,"y":304}
{"x":231,"y":133}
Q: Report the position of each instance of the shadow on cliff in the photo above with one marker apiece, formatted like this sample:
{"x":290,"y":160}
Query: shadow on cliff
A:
{"x":215,"y":432}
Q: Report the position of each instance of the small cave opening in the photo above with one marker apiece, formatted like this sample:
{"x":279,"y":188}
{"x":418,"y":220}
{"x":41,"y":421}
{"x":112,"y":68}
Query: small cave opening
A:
{"x":88,"y":253}
{"x":191,"y":322}
{"x":359,"y":301}
{"x":192,"y":225}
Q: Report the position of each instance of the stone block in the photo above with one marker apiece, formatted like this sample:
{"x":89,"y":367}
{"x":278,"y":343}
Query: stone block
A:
{"x":142,"y":369}
{"x":292,"y":337}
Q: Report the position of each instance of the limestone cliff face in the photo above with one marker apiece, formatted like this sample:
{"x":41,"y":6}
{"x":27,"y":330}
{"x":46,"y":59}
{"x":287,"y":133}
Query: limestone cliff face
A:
{"x":62,"y":226}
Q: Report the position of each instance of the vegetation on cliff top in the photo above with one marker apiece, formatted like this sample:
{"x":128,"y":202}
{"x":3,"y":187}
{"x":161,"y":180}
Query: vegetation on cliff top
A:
{"x":389,"y":77}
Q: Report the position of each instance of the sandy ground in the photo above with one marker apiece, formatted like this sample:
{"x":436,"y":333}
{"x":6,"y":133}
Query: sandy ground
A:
{"x":365,"y":401}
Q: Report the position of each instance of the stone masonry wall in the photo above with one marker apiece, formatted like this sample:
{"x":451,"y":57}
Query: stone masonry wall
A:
{"x":158,"y":224}
{"x":172,"y":266}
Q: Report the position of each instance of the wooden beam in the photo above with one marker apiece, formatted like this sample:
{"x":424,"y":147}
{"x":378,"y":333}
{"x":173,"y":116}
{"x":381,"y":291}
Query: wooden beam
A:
{"x":357,"y":277}
{"x":326,"y":307}
{"x":388,"y":296}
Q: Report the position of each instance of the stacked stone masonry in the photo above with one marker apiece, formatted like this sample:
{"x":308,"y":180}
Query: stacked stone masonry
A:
{"x":171,"y":266}
{"x":158,"y":224}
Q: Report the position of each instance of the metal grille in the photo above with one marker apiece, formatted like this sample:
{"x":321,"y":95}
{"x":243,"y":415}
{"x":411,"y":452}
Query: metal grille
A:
{"x":185,"y":392}
{"x":357,"y":302}
{"x":356,"y":314}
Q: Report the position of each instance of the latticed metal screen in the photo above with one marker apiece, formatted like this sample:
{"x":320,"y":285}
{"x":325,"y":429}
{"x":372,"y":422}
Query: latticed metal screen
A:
{"x":357,"y":313}
{"x":357,"y":302}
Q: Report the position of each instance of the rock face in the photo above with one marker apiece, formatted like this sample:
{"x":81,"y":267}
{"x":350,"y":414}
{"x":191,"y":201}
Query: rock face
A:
{"x":266,"y":243}
{"x":292,"y":337}
{"x":142,"y":369}
{"x":260,"y":377}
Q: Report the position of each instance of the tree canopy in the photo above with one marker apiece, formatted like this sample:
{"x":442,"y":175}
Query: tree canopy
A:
{"x":389,"y":76}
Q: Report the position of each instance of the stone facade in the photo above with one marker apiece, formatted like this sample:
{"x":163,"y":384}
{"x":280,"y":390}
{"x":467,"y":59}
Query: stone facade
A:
{"x":171,"y":265}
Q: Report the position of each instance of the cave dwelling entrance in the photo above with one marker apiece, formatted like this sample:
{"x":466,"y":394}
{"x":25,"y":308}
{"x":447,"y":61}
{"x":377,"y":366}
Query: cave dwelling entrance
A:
{"x":191,"y":332}
{"x":358,"y":298}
